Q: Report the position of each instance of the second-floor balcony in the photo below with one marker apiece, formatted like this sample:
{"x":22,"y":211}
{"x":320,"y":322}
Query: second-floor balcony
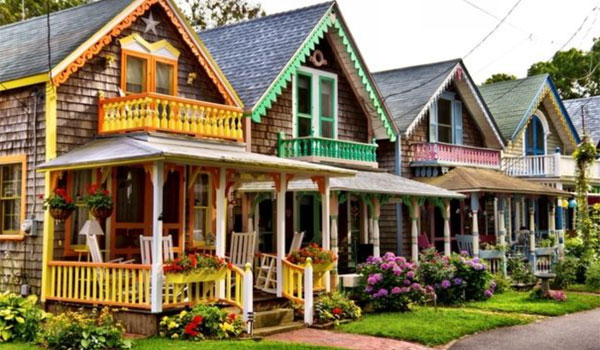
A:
{"x":553,"y":166}
{"x":156,"y":112}
{"x":320,"y":149}
{"x":443,"y":154}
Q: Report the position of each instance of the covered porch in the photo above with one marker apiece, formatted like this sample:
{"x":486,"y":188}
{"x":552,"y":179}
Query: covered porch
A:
{"x":173,"y":193}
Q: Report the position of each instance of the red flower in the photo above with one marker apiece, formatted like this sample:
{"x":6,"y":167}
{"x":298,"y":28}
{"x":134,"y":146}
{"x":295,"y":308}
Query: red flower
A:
{"x":190,"y":329}
{"x":337,"y":311}
{"x":60,"y":192}
{"x":105,"y":192}
{"x":229,"y":265}
{"x":197,"y":319}
{"x":40,"y":196}
{"x":232,"y":317}
{"x":193,"y":260}
{"x":92,"y":189}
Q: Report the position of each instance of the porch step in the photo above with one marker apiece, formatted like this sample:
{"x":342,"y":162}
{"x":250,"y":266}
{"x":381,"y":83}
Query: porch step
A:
{"x":263,"y":332}
{"x":271,"y":318}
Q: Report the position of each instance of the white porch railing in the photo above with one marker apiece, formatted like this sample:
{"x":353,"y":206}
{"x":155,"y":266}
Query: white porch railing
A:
{"x":449,"y":154}
{"x":554,"y":165}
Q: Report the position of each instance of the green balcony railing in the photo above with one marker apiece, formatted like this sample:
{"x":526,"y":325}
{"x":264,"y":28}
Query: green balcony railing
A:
{"x":311,"y":146}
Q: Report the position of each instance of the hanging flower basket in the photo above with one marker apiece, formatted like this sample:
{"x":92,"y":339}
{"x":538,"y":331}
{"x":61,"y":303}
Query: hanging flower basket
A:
{"x":60,"y":214}
{"x":101,"y":214}
{"x":196,"y":276}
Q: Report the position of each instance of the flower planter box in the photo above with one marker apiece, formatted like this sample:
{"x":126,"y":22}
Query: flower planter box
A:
{"x":322,"y":268}
{"x":199,"y":276}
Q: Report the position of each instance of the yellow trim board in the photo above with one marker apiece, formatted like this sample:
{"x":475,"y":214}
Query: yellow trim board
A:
{"x":51,"y":121}
{"x":17,"y":83}
{"x":151,"y":47}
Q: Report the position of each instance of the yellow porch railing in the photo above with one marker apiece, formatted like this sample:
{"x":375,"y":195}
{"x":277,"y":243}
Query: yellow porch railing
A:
{"x":293,"y":281}
{"x":122,"y":285}
{"x":151,"y":112}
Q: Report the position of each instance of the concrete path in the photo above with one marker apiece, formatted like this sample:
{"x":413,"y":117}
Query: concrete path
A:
{"x":344,"y":340}
{"x":579,"y":331}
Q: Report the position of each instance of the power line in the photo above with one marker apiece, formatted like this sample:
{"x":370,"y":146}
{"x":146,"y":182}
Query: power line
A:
{"x":576,"y":32}
{"x":494,"y":29}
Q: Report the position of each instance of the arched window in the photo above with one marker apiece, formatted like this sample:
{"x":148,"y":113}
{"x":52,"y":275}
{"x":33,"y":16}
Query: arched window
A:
{"x":535,"y":142}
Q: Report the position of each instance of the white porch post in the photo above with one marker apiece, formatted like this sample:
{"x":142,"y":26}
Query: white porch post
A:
{"x":220,"y":237}
{"x":501,"y":223}
{"x":446,"y":216}
{"x":552,"y":222}
{"x":475,"y":229}
{"x":157,"y":228}
{"x":280,"y":226}
{"x":334,"y":211}
{"x":326,"y":234}
{"x":414,"y":232}
{"x":518,"y":215}
{"x":366,"y":223}
{"x":376,"y":213}
{"x":509,"y":230}
{"x":561,"y":227}
{"x":496,"y":217}
{"x":532,"y":233}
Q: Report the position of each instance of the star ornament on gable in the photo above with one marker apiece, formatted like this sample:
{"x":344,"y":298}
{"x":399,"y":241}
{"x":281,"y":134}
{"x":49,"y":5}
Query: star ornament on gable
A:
{"x":150,"y":24}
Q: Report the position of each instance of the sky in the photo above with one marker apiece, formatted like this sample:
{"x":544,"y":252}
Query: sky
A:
{"x":400,"y":33}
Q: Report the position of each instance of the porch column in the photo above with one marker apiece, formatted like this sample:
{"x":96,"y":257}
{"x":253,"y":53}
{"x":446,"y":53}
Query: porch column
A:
{"x":561,"y":227}
{"x":501,"y":224}
{"x":518,"y":223}
{"x":532,"y":232}
{"x":48,"y":240}
{"x":414,"y":232}
{"x":446,"y":216}
{"x":334,"y":211}
{"x":220,"y":237}
{"x":552,"y":222}
{"x":475,"y":229}
{"x":156,"y":297}
{"x":496,"y":217}
{"x":280,"y":226}
{"x":509,"y":229}
{"x":376,"y":213}
{"x":366,"y":221}
{"x":326,"y":236}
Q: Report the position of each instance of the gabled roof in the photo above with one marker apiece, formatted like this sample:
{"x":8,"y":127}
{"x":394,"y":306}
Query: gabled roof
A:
{"x":78,"y":34}
{"x":24,"y":46}
{"x":260,"y":56}
{"x":591,"y":106}
{"x":512,"y":102}
{"x":409,"y":93}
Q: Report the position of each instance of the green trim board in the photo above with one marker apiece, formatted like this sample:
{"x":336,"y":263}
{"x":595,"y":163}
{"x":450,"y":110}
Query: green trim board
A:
{"x":328,"y":21}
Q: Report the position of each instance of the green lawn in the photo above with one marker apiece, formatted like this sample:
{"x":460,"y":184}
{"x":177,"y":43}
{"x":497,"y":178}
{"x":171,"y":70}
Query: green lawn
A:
{"x":582,"y":288}
{"x":157,"y":343}
{"x":428,"y":326}
{"x":521,"y":303}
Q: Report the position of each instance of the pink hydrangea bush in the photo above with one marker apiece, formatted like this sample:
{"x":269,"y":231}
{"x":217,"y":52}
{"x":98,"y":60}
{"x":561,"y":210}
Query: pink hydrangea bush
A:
{"x":389,"y":283}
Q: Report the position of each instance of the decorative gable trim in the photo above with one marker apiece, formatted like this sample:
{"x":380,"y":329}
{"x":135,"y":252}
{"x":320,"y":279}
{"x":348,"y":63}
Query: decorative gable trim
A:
{"x":124,"y":20}
{"x":329,"y":21}
{"x":160,"y":48}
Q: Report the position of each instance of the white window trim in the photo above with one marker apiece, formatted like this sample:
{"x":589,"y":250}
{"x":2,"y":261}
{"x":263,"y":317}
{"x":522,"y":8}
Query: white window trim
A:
{"x":315,"y":74}
{"x":449,"y":96}
{"x":542,"y":117}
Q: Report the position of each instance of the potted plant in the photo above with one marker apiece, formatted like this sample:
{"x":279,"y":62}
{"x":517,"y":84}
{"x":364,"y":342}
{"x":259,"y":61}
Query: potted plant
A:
{"x":195,"y":268}
{"x":99,"y":202}
{"x":322,"y":260}
{"x":59,"y":204}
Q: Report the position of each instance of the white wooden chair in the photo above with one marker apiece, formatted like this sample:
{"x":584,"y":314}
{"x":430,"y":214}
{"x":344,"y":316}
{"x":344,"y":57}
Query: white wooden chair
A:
{"x":465,"y":243}
{"x":242,"y":248}
{"x":146,"y":249}
{"x":267,"y":272}
{"x":96,"y":254}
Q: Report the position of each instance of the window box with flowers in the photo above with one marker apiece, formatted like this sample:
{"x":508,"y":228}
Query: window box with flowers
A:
{"x":322,"y":260}
{"x":99,"y":201}
{"x":59,"y":204}
{"x":195,"y":268}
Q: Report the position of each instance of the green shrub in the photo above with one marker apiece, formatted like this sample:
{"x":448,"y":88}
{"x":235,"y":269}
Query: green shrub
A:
{"x":566,"y":272}
{"x":334,"y":307}
{"x":202,"y":322}
{"x":592,"y":276}
{"x":503,"y":283}
{"x":20,"y":318}
{"x":78,"y":330}
{"x":519,"y":272}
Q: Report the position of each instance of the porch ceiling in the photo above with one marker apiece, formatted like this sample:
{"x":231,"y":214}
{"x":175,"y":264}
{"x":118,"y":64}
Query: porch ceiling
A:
{"x":137,"y":148}
{"x":365,"y":182}
{"x":483,"y":180}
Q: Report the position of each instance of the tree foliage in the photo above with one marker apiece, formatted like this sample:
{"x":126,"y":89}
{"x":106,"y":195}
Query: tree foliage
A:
{"x":12,"y":10}
{"x":574,"y":72}
{"x":204,"y":14}
{"x":498,"y":77}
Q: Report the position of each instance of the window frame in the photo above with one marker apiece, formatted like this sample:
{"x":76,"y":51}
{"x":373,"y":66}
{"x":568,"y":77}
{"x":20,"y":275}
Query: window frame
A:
{"x":451,"y":125}
{"x":316,"y":77}
{"x":333,"y":118}
{"x":150,"y":78}
{"x":539,"y":119}
{"x":208,"y":207}
{"x":19,"y":159}
{"x":454,"y":126}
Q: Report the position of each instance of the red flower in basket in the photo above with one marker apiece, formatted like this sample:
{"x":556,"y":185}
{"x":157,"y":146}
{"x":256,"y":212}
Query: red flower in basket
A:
{"x":232,"y":317}
{"x":337,"y":311}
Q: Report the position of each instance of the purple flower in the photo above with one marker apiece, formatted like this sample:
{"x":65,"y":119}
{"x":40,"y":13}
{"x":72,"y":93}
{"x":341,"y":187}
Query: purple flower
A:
{"x":488,"y":293}
{"x":396,"y":290}
{"x":457,"y":281}
{"x":368,"y":289}
{"x":400,"y":260}
{"x":446,"y":284}
{"x":470,"y":263}
{"x":493,"y":285}
{"x":478,"y":266}
{"x":406,"y":282}
{"x":374,"y":278}
{"x":397,"y":271}
{"x":410,"y":274}
{"x":464,"y":252}
{"x":381,"y":293}
{"x":475,"y":260}
{"x":416,"y":286}
{"x":377,"y":260}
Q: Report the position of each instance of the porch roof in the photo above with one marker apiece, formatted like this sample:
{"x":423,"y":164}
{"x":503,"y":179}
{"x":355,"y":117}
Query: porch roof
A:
{"x":484,"y":180}
{"x":363,"y":181}
{"x":136,"y":148}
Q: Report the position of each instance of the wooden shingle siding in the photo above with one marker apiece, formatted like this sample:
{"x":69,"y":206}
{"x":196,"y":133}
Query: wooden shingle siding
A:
{"x":278,"y":119}
{"x":20,"y":261}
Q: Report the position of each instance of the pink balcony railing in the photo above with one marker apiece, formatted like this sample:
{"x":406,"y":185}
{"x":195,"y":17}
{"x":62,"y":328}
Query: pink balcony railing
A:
{"x":456,"y":155}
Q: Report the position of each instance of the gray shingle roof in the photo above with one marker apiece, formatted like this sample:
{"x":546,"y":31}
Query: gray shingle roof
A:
{"x":24,"y":47}
{"x":406,"y":91}
{"x":253,"y":53}
{"x":511,"y":101}
{"x":592,"y":115}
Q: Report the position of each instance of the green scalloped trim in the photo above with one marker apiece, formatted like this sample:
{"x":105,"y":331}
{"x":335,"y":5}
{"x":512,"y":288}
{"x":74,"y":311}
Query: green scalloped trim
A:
{"x":300,"y":57}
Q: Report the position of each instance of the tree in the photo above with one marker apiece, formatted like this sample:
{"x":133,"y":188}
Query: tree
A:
{"x":14,"y":10}
{"x":574,"y":72}
{"x":204,"y":14}
{"x":498,"y":77}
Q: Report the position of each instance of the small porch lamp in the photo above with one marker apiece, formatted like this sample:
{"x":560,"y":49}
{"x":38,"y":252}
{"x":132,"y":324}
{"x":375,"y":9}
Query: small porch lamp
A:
{"x":572,"y":203}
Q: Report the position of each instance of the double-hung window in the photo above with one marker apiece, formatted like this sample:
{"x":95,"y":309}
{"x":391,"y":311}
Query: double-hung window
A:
{"x":445,"y":120}
{"x":200,"y":206}
{"x":146,"y":73}
{"x":12,"y":195}
{"x":315,"y":103}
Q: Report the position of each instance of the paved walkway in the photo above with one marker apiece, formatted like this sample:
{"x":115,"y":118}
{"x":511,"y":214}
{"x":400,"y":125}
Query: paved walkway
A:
{"x":344,"y":340}
{"x":579,"y":331}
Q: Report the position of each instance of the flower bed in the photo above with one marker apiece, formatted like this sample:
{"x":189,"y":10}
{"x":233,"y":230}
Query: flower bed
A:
{"x":195,"y":268}
{"x":20,"y":318}
{"x":202,"y":322}
{"x":335,"y":308}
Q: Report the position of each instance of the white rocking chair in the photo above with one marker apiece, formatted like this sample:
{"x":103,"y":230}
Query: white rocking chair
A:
{"x":267,"y":272}
{"x":146,"y":249}
{"x":242,"y":248}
